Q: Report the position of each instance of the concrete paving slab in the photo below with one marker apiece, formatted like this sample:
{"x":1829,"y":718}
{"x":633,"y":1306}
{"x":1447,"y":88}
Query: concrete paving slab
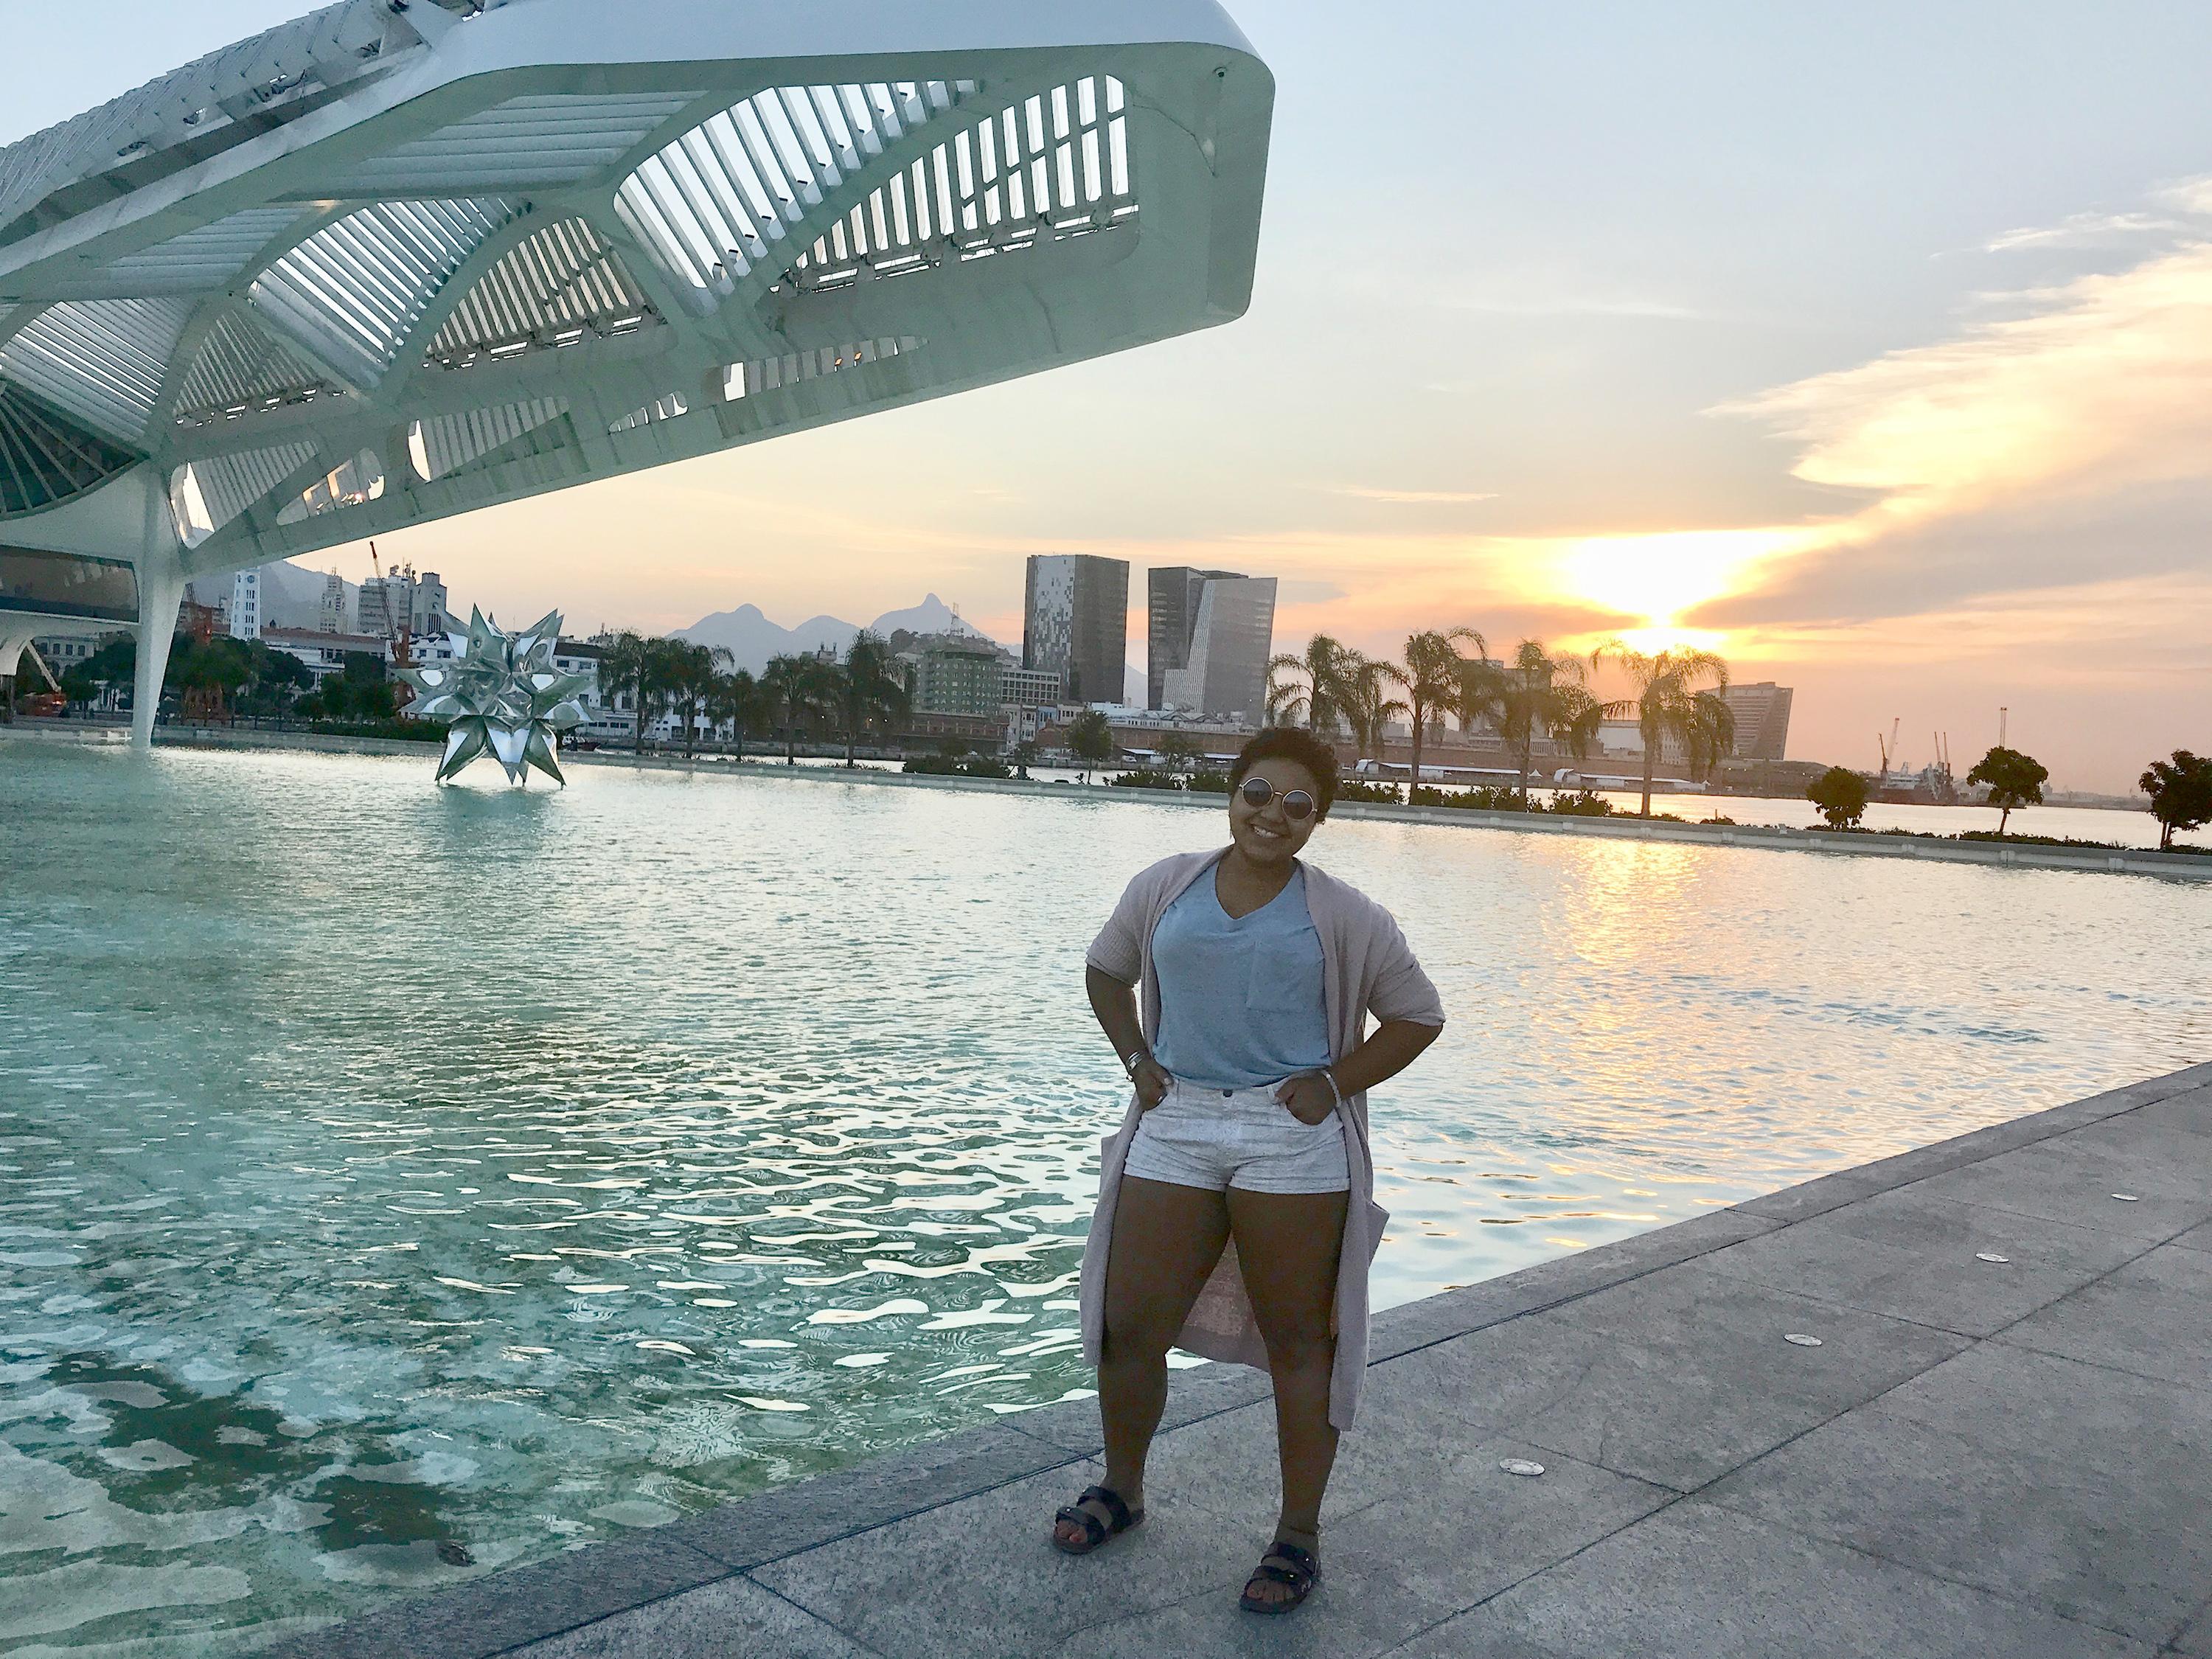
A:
{"x":1915,"y":1256}
{"x":2153,"y":1316}
{"x":1548,"y":1284}
{"x":2195,"y":1637}
{"x":521,"y":1605}
{"x":2074,"y":1489}
{"x":1694,"y":1582}
{"x":1688,"y":1373}
{"x":799,"y":1517}
{"x":2070,"y":1180}
{"x":734,"y":1618}
{"x":1399,"y":1564}
{"x":981,"y":1579}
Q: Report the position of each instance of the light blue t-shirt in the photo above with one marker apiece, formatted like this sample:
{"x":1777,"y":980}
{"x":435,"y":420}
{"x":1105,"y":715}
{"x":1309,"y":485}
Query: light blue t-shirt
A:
{"x":1242,"y":1002}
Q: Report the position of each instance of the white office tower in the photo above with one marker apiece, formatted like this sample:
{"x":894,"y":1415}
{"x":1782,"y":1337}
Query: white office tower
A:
{"x":246,"y":606}
{"x":1232,"y":635}
{"x":330,"y":615}
{"x":427,"y":608}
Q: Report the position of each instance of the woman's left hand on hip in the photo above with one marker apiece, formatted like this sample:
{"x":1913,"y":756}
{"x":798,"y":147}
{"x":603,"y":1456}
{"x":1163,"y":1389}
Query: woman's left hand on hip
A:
{"x":1307,"y":1096}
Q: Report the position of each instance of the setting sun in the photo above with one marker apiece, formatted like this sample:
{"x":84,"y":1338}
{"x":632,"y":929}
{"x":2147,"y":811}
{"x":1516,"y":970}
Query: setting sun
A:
{"x":1660,"y":576}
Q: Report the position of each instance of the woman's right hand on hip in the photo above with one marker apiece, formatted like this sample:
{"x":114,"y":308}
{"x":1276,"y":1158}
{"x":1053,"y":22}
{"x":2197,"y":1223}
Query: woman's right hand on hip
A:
{"x":1152,"y":1083}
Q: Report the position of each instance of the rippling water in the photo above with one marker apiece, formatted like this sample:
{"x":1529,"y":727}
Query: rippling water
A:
{"x":398,"y":1183}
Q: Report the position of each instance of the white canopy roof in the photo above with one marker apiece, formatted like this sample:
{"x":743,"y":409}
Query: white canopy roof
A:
{"x":402,"y":258}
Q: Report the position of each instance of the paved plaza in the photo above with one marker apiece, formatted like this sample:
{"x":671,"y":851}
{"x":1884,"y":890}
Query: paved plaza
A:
{"x":2001,"y":1443}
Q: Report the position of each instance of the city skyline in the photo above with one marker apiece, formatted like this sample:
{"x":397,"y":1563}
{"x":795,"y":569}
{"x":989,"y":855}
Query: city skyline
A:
{"x":1857,"y":405}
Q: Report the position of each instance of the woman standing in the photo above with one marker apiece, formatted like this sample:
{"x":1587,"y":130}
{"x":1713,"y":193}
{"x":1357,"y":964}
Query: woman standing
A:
{"x":1236,"y":1213}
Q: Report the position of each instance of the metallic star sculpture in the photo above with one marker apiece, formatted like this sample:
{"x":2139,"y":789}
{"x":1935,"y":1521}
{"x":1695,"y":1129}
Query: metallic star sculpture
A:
{"x":503,"y":696}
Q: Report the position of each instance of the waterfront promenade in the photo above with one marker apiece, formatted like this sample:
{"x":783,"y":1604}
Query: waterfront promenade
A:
{"x":2000,"y":1444}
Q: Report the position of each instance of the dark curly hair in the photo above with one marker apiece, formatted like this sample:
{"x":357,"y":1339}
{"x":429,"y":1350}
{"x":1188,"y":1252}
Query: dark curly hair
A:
{"x":1292,"y":743}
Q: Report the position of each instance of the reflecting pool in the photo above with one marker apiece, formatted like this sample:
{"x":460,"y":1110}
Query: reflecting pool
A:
{"x":399,"y":1183}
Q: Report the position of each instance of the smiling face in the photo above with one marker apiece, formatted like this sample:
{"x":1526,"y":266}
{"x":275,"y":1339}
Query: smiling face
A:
{"x":1267,"y":835}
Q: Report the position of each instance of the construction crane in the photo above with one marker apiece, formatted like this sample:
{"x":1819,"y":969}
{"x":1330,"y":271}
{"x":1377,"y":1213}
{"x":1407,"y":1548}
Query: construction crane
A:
{"x":397,"y":622}
{"x":1889,"y":749}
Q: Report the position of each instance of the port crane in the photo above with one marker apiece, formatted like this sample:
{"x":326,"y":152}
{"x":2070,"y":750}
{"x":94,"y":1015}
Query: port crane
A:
{"x":1890,"y":752}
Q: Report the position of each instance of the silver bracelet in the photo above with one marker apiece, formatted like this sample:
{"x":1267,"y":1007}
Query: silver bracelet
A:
{"x":1329,"y":1079}
{"x":1132,"y":1060}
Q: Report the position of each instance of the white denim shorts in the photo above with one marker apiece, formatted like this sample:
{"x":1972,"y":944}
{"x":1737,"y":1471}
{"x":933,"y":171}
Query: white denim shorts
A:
{"x":1243,"y":1138}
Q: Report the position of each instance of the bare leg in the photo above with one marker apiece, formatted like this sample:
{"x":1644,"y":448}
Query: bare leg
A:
{"x":1166,"y":1241}
{"x":1287,"y":1244}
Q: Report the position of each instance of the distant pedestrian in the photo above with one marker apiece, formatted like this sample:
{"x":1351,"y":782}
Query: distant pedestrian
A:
{"x":1236,"y":1213}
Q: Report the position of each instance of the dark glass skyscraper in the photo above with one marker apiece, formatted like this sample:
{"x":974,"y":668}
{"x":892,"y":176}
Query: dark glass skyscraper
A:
{"x":1076,"y":622}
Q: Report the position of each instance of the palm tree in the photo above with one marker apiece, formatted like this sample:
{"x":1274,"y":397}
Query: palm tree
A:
{"x":1538,"y":695}
{"x":869,"y":687}
{"x":690,"y":673}
{"x":735,"y":697}
{"x":1678,"y":696}
{"x":1366,"y":706}
{"x":795,"y":690}
{"x":1318,"y":697}
{"x":629,"y":666}
{"x":1430,"y":679}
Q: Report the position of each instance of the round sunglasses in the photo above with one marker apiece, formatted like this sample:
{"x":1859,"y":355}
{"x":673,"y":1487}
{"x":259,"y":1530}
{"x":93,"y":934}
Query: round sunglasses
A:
{"x":1298,"y":806}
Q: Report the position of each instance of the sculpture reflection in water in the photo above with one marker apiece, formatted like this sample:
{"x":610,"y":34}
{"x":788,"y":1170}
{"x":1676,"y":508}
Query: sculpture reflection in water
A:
{"x":504,"y":697}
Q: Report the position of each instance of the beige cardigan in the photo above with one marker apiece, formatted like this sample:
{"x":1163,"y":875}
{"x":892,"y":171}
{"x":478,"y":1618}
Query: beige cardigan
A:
{"x":1367,"y":968}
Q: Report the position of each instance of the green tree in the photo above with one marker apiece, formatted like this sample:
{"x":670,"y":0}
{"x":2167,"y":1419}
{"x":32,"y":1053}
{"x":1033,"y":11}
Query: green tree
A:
{"x":1307,"y":690}
{"x":1431,"y":676}
{"x":1025,"y":754}
{"x":2180,"y":791}
{"x":871,"y":688}
{"x":795,"y":691}
{"x":735,"y":698}
{"x":1841,"y":795}
{"x":1177,"y":751}
{"x":2014,"y":781}
{"x":690,"y":672}
{"x":1534,"y":694}
{"x":1090,"y":739}
{"x":630,"y":668}
{"x":1678,"y":696}
{"x":1365,"y":702}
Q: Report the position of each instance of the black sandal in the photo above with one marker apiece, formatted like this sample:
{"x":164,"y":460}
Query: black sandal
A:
{"x":1284,"y":1562}
{"x":1095,"y":1531}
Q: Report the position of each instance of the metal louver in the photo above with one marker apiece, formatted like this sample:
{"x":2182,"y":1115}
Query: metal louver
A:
{"x":524,"y":142}
{"x":1054,"y":164}
{"x":200,"y":261}
{"x":210,"y":493}
{"x":46,"y":460}
{"x":99,"y":359}
{"x":445,"y":443}
{"x":545,"y":292}
{"x":351,"y":292}
{"x":241,"y":368}
{"x":722,"y":198}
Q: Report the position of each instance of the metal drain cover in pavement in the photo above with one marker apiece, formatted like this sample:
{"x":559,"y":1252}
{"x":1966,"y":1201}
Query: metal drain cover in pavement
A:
{"x":1990,"y":1256}
{"x":1519,"y":1465}
{"x":2127,"y":1198}
{"x":1801,"y":1340}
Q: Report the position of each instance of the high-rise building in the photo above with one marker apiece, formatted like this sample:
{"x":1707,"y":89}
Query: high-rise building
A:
{"x":1232,"y":632}
{"x":426,"y":606}
{"x":955,"y":674}
{"x":1171,"y":596}
{"x":383,"y":605}
{"x":246,"y":604}
{"x":1030,"y":687}
{"x":1762,"y":720}
{"x":330,"y":615}
{"x":1076,"y":622}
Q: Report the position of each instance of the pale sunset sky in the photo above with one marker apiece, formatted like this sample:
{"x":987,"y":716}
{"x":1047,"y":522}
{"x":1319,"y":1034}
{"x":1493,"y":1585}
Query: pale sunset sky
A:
{"x":1870,"y":345}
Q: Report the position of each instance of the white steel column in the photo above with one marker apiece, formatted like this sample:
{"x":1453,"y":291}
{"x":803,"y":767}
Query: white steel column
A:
{"x":161,"y":596}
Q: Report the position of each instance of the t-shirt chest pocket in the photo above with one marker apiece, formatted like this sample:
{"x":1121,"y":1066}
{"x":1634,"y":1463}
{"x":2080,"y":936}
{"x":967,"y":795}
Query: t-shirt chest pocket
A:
{"x":1282,"y":972}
